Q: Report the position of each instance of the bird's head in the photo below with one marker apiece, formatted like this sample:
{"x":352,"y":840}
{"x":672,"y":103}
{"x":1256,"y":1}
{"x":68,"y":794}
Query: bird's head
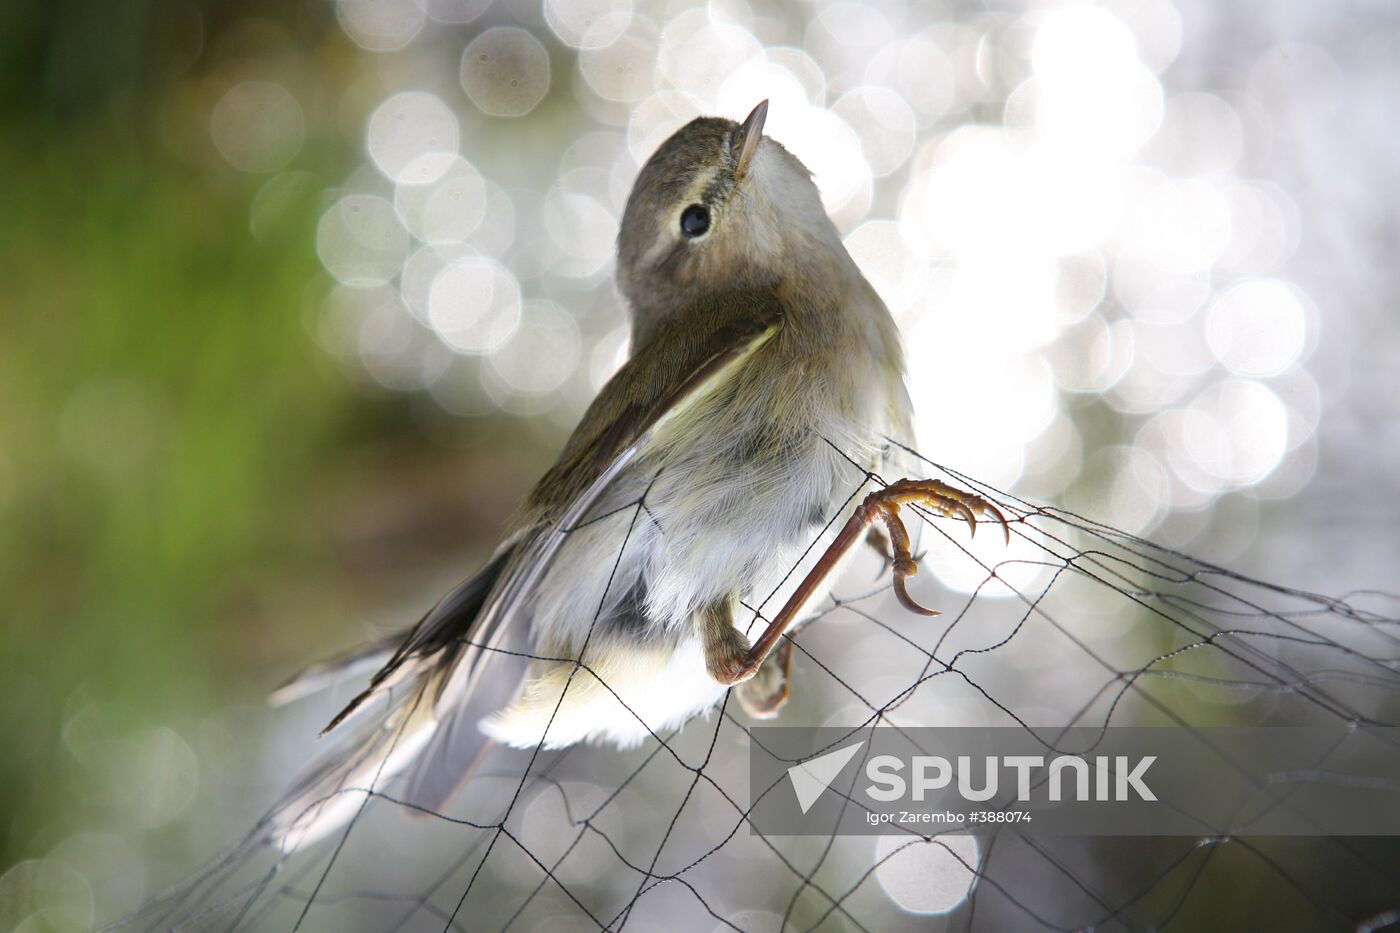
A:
{"x":719,"y":206}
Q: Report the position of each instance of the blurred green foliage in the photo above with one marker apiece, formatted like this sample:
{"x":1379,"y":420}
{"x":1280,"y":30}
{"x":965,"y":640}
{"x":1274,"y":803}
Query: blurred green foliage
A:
{"x":163,"y":417}
{"x":161,"y":426}
{"x":195,"y":498}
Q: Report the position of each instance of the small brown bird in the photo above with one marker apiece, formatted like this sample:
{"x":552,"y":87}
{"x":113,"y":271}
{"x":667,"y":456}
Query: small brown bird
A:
{"x":765,"y":379}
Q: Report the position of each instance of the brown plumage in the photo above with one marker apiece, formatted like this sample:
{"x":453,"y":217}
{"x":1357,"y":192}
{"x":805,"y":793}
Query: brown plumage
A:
{"x":704,"y":470}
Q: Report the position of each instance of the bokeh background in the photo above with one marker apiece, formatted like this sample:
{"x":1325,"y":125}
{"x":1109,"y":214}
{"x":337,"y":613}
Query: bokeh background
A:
{"x":297,"y":298}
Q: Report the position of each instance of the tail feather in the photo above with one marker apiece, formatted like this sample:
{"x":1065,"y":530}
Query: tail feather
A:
{"x":323,"y":674}
{"x":459,"y":744}
{"x":435,"y":736}
{"x":445,"y":627}
{"x":331,"y":794}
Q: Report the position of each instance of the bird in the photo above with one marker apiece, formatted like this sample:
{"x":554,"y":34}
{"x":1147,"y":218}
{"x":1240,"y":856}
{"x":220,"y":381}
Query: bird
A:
{"x":765,"y":375}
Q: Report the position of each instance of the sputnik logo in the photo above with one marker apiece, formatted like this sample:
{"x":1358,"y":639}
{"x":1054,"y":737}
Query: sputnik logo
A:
{"x":811,"y":778}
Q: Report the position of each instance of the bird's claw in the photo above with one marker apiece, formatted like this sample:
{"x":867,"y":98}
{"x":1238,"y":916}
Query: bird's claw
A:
{"x":725,"y":663}
{"x":936,"y":496}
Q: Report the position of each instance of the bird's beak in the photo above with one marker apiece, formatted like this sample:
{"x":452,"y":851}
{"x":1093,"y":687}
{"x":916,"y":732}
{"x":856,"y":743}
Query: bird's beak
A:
{"x":746,"y":140}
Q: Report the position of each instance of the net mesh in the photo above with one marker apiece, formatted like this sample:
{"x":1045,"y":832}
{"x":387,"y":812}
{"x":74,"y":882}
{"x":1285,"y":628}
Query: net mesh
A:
{"x":1074,"y":623}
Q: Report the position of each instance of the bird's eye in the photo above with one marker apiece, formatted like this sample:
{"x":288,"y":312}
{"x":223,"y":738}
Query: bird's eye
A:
{"x":695,"y":220}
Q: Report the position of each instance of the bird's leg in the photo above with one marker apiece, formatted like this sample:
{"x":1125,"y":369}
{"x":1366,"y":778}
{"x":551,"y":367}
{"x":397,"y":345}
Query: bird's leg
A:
{"x":726,"y":648}
{"x":763,"y":695}
{"x":883,"y":505}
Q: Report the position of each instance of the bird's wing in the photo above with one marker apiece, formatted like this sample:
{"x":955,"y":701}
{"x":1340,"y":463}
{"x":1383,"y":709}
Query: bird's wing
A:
{"x":686,"y":357}
{"x":363,"y":659}
{"x":680,"y":366}
{"x":466,"y":657}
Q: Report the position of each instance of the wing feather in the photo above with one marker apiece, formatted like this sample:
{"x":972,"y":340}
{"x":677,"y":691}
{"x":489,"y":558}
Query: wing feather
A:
{"x":456,"y":660}
{"x":473,"y":689}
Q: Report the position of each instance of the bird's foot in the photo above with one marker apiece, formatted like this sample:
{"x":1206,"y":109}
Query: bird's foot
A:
{"x":726,"y":649}
{"x":764,"y":694}
{"x":728,"y":657}
{"x":939,"y":498}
